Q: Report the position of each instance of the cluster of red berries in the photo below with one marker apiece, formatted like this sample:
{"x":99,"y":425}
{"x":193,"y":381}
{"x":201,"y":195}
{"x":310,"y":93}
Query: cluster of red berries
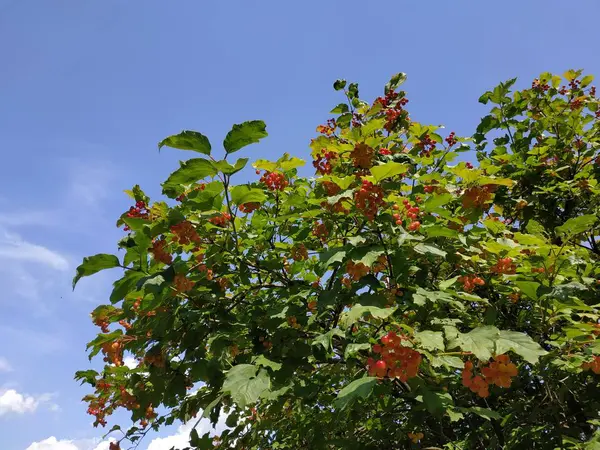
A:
{"x":499,"y":372}
{"x":576,"y":103}
{"x":275,"y":181}
{"x":331,"y":188}
{"x":103,"y":323}
{"x":477,"y":196}
{"x":97,"y":409}
{"x":593,"y":365}
{"x":221,"y":220}
{"x":328,"y":129}
{"x":139,"y":211}
{"x":355,"y":271}
{"x":397,"y":361}
{"x":470,"y":281}
{"x":468,"y":165}
{"x":160,"y":252}
{"x":320,"y":230}
{"x":386,"y":101}
{"x":368,"y":199}
{"x":249,"y":207}
{"x":293,"y":322}
{"x":427,"y":145}
{"x":385,"y":151}
{"x":504,"y":265}
{"x":412,"y":212}
{"x":182,"y":284}
{"x":322,"y":162}
{"x":538,"y":86}
{"x":185,"y":233}
{"x":357,"y":120}
{"x":113,"y":352}
{"x":538,"y":270}
{"x":362,"y":156}
{"x":451,"y":139}
{"x":299,"y":252}
{"x":415,"y":437}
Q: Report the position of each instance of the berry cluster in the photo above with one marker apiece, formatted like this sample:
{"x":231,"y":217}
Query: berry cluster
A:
{"x":385,"y":151}
{"x":504,"y":265}
{"x":185,"y":233}
{"x":293,"y":323}
{"x":139,"y":211}
{"x":320,"y":230}
{"x":386,"y":101}
{"x":427,"y":145}
{"x":328,"y":129}
{"x":412,"y":212}
{"x":249,"y":207}
{"x":182,"y":284}
{"x":221,"y":220}
{"x":299,"y":252}
{"x":396,"y":360}
{"x":470,"y":281}
{"x":477,"y":196}
{"x":415,"y":437}
{"x":538,"y":269}
{"x":395,"y":113}
{"x":274,"y":181}
{"x":593,"y":365}
{"x":113,"y":352}
{"x":362,"y":156}
{"x":368,"y":199}
{"x":160,"y":252}
{"x":451,"y":139}
{"x":97,"y":408}
{"x":103,"y":323}
{"x":499,"y":372}
{"x":322,"y":162}
{"x":539,"y":86}
{"x":393,"y":117}
{"x":356,"y":270}
{"x":331,"y":188}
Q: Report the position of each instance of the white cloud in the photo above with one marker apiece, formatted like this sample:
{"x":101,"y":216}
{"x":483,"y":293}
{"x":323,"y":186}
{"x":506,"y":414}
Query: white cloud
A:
{"x":91,"y":182}
{"x":181,"y":439}
{"x":5,"y":365}
{"x":14,"y":248}
{"x":64,"y":444}
{"x":28,"y":217}
{"x":13,"y":402}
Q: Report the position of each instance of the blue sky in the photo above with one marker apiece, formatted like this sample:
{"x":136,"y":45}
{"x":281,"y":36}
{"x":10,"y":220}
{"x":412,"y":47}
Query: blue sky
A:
{"x":88,"y":88}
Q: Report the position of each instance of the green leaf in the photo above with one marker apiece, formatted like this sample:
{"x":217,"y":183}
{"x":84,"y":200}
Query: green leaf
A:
{"x":437,"y":201}
{"x":440,"y":231}
{"x":360,"y":388}
{"x":529,"y":288}
{"x":354,"y":349}
{"x":448,"y":361}
{"x":340,"y":109}
{"x":358,"y":310}
{"x":437,"y":402}
{"x":577,"y":225}
{"x":189,"y":172}
{"x":125,"y":285}
{"x":244,"y":194}
{"x":94,"y":264}
{"x":338,"y":85}
{"x":521,"y":344}
{"x":244,"y":134}
{"x":325,"y":340}
{"x":228,"y":169}
{"x":485,"y":413}
{"x":388,"y":170}
{"x":262,"y":361}
{"x":187,"y":140}
{"x":480,"y":341}
{"x":395,"y":81}
{"x":428,"y":248}
{"x":245,"y":383}
{"x":535,"y":228}
{"x":447,"y":283}
{"x":430,"y":340}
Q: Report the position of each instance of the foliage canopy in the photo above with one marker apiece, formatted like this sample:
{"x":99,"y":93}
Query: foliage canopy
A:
{"x":398,"y":299}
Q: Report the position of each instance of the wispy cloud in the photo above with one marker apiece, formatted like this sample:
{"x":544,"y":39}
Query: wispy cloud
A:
{"x":14,"y":248}
{"x":90,"y":182}
{"x":5,"y":365}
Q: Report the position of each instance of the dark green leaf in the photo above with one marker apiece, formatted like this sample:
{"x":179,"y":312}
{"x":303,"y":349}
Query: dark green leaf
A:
{"x":244,"y":134}
{"x":360,"y":388}
{"x":187,"y":140}
{"x":190,"y":172}
{"x":94,"y":264}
